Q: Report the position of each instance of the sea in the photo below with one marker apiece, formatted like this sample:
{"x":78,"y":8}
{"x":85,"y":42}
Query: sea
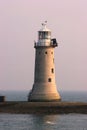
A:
{"x":44,"y":121}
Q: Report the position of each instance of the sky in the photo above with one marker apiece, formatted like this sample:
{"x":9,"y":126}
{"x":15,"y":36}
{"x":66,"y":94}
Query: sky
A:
{"x":19,"y":22}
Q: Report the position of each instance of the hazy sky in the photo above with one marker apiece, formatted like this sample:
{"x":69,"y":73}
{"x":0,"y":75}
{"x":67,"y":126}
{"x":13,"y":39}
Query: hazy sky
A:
{"x":19,"y":22}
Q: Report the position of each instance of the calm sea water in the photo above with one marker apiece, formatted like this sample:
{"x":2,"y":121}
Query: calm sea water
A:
{"x":66,"y":95}
{"x":44,"y":122}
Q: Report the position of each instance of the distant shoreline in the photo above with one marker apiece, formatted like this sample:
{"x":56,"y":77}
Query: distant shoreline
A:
{"x":18,"y":107}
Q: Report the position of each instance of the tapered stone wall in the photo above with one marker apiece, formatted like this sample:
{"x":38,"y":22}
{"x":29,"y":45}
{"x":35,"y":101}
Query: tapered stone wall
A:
{"x":44,"y":87}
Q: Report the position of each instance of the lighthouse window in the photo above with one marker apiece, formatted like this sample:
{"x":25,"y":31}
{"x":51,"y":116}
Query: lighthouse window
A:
{"x":44,"y":35}
{"x":40,"y":35}
{"x":49,"y":80}
{"x":52,"y":70}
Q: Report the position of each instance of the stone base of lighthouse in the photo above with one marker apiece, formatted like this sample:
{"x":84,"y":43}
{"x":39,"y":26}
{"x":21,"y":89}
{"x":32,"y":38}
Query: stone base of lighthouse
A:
{"x":44,"y":92}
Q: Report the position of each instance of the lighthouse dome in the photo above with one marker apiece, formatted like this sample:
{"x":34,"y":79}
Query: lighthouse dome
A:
{"x":44,"y":28}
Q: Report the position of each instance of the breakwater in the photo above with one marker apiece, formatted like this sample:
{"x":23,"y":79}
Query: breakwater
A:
{"x":43,"y":107}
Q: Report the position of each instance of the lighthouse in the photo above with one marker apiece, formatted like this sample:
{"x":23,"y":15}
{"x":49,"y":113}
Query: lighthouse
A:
{"x":44,"y":87}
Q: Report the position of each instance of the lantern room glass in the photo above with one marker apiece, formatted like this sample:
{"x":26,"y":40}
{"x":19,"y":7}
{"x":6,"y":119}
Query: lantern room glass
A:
{"x":45,"y":35}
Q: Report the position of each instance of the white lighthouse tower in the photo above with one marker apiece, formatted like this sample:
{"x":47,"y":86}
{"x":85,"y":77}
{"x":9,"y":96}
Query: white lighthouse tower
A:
{"x":44,"y":87}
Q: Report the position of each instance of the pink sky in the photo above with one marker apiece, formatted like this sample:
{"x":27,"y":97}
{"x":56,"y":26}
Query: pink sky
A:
{"x":19,"y":22}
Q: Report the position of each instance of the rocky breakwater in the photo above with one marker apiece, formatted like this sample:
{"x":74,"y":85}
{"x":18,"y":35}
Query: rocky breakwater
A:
{"x":43,"y":107}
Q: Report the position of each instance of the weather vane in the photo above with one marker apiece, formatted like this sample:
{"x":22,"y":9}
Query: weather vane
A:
{"x":44,"y":24}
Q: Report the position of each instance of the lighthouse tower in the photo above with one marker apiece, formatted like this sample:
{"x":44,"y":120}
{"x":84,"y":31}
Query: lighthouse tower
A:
{"x":44,"y":87}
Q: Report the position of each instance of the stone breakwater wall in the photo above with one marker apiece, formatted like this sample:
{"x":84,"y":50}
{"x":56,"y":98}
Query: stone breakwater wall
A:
{"x":43,"y":107}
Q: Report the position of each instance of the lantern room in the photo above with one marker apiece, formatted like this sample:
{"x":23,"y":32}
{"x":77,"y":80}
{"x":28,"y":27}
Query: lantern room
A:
{"x":44,"y":37}
{"x":44,"y":33}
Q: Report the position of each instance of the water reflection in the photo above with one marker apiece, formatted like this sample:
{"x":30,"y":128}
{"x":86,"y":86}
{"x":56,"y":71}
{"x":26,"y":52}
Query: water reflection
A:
{"x":44,"y":122}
